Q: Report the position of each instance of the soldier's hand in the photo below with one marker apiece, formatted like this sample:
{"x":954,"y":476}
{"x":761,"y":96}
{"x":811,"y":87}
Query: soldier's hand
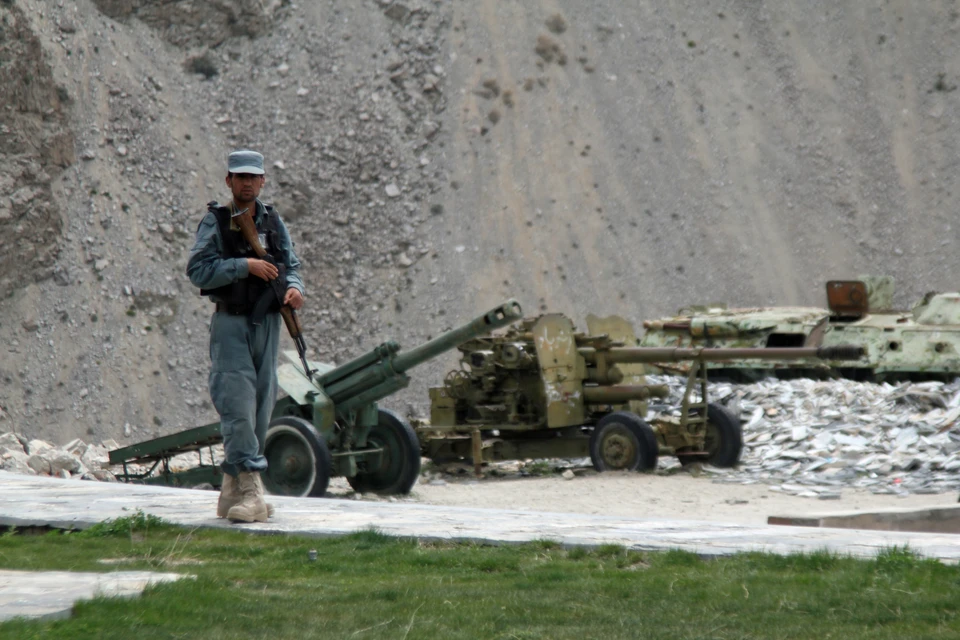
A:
{"x":293,"y":298}
{"x":262,"y":269}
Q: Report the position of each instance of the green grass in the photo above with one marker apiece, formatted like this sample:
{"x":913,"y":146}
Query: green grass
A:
{"x":368,"y":585}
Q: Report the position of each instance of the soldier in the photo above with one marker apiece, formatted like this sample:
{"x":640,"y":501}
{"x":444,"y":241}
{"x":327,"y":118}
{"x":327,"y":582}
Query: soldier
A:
{"x":245,"y":328}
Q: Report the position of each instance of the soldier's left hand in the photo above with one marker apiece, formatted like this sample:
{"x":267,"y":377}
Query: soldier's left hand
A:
{"x":293,"y":298}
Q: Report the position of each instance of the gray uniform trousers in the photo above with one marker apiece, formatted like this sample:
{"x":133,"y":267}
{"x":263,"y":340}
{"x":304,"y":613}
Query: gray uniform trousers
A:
{"x":243,"y":386}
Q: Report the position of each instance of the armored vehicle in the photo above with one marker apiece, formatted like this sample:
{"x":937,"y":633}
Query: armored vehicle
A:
{"x":920,"y":343}
{"x":543,"y":390}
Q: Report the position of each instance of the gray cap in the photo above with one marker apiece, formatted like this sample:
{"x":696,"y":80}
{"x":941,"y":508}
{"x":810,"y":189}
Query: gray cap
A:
{"x":245,"y":161}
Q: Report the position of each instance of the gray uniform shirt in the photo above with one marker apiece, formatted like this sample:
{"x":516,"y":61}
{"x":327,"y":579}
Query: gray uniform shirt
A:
{"x":208,"y":269}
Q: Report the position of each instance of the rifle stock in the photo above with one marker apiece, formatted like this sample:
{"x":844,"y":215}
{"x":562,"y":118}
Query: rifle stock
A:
{"x":248,"y":229}
{"x":292,"y":321}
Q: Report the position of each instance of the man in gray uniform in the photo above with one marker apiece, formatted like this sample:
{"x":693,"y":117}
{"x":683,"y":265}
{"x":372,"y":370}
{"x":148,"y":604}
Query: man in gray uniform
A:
{"x":245,"y":328}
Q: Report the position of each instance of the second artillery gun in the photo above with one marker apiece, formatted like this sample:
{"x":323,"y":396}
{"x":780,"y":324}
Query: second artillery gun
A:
{"x":543,"y":390}
{"x":329,"y":423}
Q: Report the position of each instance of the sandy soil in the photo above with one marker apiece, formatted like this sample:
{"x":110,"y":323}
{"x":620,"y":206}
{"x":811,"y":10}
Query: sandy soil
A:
{"x":675,"y":496}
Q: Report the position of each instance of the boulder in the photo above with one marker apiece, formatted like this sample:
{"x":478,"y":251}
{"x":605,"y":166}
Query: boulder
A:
{"x":16,"y":462}
{"x":53,"y":461}
{"x":76,"y":447}
{"x":37,"y":446}
{"x":10,"y":442}
{"x":103,"y":475}
{"x":95,"y":457}
{"x":39,"y":464}
{"x":61,"y":460}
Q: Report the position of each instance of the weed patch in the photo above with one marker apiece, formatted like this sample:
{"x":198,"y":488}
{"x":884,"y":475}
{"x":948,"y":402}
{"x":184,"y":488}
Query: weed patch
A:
{"x":139,"y":523}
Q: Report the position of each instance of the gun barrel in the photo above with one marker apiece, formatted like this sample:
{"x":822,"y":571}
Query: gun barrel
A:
{"x":696,"y":329}
{"x":618,"y":394}
{"x":708,"y":354}
{"x":375,"y":375}
{"x":500,"y":316}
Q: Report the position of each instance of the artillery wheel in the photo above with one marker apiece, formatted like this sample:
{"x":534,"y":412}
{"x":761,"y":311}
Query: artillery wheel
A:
{"x":298,"y":459}
{"x":399,"y":462}
{"x":723,"y":440}
{"x":623,"y":441}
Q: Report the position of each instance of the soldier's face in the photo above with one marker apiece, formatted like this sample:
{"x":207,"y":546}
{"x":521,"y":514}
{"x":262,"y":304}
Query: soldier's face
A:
{"x":245,"y":186}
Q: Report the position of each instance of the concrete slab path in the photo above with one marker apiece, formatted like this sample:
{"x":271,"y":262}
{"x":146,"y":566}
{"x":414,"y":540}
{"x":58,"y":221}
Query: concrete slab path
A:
{"x":42,"y":501}
{"x":51,"y":595}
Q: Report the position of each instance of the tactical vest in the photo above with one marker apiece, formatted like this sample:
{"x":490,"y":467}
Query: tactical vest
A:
{"x":242,"y":296}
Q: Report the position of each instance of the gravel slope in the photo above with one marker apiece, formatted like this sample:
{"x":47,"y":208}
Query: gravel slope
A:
{"x":438,"y":156}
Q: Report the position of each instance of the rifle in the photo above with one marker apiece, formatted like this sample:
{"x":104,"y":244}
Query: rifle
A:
{"x":248,"y":228}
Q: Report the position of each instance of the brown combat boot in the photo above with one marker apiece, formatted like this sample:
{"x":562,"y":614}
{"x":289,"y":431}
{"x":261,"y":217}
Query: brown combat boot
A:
{"x":263,"y":492}
{"x":230,"y":495}
{"x":251,"y":507}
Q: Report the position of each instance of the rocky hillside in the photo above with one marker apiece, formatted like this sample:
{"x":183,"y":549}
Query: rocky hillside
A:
{"x":433,"y":157}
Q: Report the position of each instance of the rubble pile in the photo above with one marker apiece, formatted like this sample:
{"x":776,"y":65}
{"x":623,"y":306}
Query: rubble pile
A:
{"x":815,"y":437}
{"x":78,"y":459}
{"x":39,"y":457}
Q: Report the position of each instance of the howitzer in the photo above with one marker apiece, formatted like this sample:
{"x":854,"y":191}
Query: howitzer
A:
{"x":248,"y":228}
{"x":329,"y":425}
{"x":543,"y":390}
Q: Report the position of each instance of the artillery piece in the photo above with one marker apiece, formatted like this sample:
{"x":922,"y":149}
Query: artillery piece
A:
{"x":326,"y":426}
{"x":542,"y":390}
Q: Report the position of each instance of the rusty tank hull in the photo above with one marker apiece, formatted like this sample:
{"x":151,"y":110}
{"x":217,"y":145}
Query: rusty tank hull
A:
{"x":917,"y":344}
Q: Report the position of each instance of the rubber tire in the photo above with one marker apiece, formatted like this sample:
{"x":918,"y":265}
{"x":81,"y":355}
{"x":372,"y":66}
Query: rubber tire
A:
{"x":400,"y":461}
{"x":291,"y":436}
{"x":727,"y":435}
{"x":637,"y":434}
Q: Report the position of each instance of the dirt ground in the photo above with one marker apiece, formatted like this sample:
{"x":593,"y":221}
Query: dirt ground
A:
{"x":673,"y":497}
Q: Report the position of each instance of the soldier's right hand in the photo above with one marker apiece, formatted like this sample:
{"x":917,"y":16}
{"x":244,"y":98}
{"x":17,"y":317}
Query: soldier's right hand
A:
{"x":262,"y":269}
